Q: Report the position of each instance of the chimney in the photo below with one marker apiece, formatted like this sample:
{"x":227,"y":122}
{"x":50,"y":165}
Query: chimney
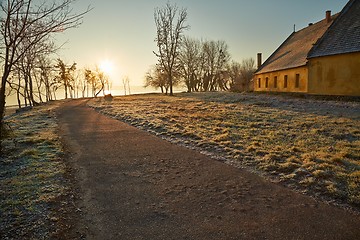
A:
{"x":259,"y":60}
{"x":328,"y":16}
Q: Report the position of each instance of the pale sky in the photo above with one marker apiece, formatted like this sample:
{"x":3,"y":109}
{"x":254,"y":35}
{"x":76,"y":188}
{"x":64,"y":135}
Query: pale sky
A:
{"x":123,"y":31}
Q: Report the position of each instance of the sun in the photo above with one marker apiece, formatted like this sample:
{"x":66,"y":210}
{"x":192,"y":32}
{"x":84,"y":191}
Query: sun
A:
{"x":106,"y":66}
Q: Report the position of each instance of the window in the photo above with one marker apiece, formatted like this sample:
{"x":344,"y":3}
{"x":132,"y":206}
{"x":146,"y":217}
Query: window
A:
{"x":297,"y":81}
{"x":266,"y":82}
{"x":285,"y":81}
{"x":259,"y":83}
{"x":275,"y":82}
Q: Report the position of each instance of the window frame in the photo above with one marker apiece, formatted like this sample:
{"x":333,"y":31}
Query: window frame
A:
{"x":297,"y":80}
{"x":266,"y":82}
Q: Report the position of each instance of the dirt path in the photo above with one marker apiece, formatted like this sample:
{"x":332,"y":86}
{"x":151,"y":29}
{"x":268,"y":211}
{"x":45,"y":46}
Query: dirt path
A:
{"x":133,"y":185}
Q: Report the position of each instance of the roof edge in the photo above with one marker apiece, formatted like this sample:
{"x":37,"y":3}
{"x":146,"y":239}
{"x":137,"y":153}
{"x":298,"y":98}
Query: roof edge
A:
{"x":267,"y":60}
{"x":333,"y":54}
{"x":282,"y":69}
{"x":337,"y":19}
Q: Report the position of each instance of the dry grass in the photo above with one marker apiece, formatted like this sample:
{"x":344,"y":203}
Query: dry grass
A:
{"x":311,"y":145}
{"x":32,"y":180}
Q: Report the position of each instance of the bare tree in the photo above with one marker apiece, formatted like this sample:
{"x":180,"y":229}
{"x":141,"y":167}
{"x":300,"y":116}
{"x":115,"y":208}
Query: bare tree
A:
{"x":97,"y":80}
{"x":78,"y":83}
{"x":156,"y":78}
{"x":31,"y":21}
{"x":28,"y":64}
{"x":216,"y":57}
{"x":126,"y":84}
{"x":102,"y":80}
{"x":109,"y":83}
{"x":83,"y":85}
{"x":90,"y":77}
{"x":66,"y":76}
{"x":241,"y":75}
{"x":190,"y":61}
{"x":247,"y":72}
{"x":234,"y":71}
{"x":170,"y":25}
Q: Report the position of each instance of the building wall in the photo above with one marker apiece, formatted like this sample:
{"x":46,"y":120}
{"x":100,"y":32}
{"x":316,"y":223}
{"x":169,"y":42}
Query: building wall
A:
{"x":279,"y":85}
{"x":335,"y":75}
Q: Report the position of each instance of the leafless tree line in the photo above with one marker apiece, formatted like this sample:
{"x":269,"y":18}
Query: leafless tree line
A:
{"x":200,"y":65}
{"x":40,"y":79}
{"x":26,"y":30}
{"x":204,"y":66}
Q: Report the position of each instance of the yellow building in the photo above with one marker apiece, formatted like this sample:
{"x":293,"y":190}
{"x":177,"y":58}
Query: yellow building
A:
{"x":321,"y":59}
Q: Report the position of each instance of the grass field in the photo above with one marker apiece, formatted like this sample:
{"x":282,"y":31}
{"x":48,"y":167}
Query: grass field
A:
{"x":32,"y":176}
{"x":311,"y":145}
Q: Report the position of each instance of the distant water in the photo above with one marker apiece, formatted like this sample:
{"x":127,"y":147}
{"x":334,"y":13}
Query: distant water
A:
{"x":115,"y":91}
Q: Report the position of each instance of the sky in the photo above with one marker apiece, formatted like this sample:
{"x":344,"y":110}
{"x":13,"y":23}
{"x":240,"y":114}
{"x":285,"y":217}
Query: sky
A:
{"x":122,"y":32}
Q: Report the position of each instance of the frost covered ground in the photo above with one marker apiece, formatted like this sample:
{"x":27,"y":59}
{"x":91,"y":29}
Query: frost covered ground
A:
{"x":311,"y":145}
{"x":34,"y":189}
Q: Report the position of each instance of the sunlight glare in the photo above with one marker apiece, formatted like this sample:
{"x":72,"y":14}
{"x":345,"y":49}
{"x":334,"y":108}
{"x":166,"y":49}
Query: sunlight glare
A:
{"x":106,"y":66}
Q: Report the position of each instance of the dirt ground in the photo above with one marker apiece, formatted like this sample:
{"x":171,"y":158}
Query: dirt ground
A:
{"x":133,"y":185}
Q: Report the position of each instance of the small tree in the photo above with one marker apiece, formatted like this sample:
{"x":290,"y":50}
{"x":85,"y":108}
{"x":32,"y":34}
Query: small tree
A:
{"x":90,"y":79}
{"x":102,"y":80}
{"x":234,"y":71}
{"x":83,"y":85}
{"x":156,"y":78}
{"x":241,"y":75}
{"x":66,"y":75}
{"x":247,"y":71}
{"x":126,"y":84}
{"x":45,"y":71}
{"x":97,"y":80}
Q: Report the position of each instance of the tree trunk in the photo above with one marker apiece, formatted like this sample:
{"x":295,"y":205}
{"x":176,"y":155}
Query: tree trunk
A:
{"x":188,"y":84}
{"x":55,"y":95}
{"x":66,"y":94}
{"x":102,"y":87}
{"x":71,"y":93}
{"x":26,"y":92}
{"x":48,"y":91}
{"x":2,"y":105}
{"x":18,"y":92}
{"x":31,"y":91}
{"x":38,"y":85}
{"x":171,"y":83}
